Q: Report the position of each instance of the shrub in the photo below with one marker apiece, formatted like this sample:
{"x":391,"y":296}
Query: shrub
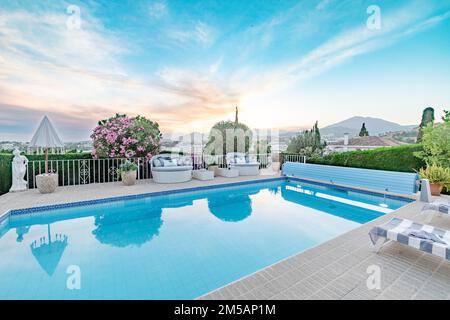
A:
{"x":125,"y":137}
{"x":436,"y":144}
{"x":5,"y":172}
{"x":388,"y":158}
{"x":436,"y":174}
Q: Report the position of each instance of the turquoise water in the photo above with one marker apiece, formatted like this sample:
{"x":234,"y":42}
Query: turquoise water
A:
{"x":179,"y":246}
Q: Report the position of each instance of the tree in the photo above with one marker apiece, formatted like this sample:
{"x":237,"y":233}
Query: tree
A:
{"x":446,"y":116}
{"x":363,"y":132}
{"x":307,"y":143}
{"x":436,"y":144}
{"x":124,"y":137}
{"x":427,"y":117}
{"x":228,"y":136}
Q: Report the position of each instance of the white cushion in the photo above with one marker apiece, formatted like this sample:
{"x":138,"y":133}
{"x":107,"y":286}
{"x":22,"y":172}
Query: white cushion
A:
{"x":240,"y":160}
{"x":170,"y":163}
{"x":172,"y":168}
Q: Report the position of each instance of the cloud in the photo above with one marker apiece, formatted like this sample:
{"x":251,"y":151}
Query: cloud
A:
{"x":158,"y":10}
{"x":198,"y":32}
{"x":78,"y":76}
{"x":348,"y":44}
{"x":323,"y":4}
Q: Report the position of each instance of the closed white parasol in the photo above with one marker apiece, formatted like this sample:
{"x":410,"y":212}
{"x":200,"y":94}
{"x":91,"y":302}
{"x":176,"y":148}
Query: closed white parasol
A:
{"x":46,"y":137}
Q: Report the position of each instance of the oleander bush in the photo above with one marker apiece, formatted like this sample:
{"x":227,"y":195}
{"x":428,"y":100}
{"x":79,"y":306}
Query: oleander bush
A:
{"x":126,"y":137}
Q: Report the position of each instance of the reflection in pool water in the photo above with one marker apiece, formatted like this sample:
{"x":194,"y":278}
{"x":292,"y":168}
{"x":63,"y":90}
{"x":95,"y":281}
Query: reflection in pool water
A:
{"x":48,"y":251}
{"x":132,"y":229}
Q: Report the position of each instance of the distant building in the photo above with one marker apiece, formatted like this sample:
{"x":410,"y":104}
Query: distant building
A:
{"x":7,"y":146}
{"x":360,"y":143}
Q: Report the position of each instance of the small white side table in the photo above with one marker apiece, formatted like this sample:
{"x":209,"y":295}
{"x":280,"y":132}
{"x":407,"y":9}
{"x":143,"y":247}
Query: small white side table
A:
{"x":227,"y":173}
{"x":203,"y":174}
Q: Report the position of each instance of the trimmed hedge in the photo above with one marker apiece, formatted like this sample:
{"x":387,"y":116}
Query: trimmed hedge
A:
{"x":5,"y":172}
{"x":399,"y":158}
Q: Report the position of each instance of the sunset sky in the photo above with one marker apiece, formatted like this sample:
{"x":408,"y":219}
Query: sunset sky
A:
{"x":186,"y":64}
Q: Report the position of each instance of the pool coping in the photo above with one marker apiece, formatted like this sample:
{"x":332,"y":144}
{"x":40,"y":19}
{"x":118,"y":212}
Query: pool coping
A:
{"x":30,"y":210}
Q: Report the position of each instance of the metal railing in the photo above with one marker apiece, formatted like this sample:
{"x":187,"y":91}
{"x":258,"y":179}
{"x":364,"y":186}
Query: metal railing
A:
{"x":87,"y":171}
{"x":292,"y":157}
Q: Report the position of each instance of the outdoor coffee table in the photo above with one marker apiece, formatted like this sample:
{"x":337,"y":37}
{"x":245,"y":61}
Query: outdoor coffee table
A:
{"x":227,"y":173}
{"x":203,"y":174}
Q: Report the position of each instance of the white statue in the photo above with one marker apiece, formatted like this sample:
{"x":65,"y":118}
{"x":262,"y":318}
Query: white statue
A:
{"x":19,"y":169}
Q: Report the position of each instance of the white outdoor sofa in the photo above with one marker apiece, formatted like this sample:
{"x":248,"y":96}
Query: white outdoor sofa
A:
{"x":170,"y":168}
{"x":247,"y":165}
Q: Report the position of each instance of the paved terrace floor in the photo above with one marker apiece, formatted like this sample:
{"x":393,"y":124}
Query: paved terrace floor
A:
{"x":336,"y":269}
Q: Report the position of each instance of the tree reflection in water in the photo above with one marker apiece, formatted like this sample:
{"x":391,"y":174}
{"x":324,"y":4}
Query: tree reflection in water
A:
{"x":129,"y":228}
{"x":231,"y":207}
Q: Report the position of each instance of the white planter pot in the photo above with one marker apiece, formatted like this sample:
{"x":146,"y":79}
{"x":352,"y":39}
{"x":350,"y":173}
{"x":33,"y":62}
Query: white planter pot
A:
{"x":129,"y":178}
{"x":213,"y":169}
{"x":275,"y":166}
{"x":47,"y":183}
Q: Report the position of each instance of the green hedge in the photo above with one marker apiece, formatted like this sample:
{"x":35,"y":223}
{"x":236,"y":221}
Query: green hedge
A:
{"x":390,"y":158}
{"x":6,"y":159}
{"x":5,"y":172}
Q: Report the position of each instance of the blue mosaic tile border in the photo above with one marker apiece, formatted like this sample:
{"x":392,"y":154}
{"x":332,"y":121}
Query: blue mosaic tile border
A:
{"x":338,"y":187}
{"x":4,"y":216}
{"x":15,"y":212}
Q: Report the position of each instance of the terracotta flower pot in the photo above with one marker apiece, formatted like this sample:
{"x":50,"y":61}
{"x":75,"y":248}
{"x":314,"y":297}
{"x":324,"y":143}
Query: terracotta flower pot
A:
{"x":436,"y":189}
{"x":129,"y":178}
{"x":47,"y":183}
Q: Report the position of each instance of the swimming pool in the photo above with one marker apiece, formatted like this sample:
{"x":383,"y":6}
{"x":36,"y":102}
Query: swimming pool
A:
{"x":173,"y":246}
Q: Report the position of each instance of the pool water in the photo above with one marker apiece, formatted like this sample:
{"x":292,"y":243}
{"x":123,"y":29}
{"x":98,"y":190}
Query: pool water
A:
{"x":177,"y":246}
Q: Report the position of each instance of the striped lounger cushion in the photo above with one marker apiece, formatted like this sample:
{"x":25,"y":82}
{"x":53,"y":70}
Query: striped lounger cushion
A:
{"x":398,"y":230}
{"x":441,"y":207}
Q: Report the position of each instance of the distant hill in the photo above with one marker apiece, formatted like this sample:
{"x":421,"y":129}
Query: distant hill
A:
{"x":352,"y":126}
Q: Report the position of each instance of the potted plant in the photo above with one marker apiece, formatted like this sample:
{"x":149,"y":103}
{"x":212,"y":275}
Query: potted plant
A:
{"x":128,"y":172}
{"x":439,"y":177}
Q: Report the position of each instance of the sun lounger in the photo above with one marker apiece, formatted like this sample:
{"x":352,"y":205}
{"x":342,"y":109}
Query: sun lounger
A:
{"x":423,"y":237}
{"x":438,"y":207}
{"x":442,"y":207}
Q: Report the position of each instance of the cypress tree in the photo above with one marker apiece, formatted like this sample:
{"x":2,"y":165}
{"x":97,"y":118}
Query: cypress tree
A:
{"x":427,"y":117}
{"x":363,"y":132}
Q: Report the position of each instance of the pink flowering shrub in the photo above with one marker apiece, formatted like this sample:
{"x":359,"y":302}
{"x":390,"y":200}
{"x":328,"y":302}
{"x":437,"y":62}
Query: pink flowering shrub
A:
{"x":125,"y":137}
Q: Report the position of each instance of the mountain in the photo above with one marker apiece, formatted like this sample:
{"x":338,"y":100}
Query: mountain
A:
{"x":352,"y":126}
